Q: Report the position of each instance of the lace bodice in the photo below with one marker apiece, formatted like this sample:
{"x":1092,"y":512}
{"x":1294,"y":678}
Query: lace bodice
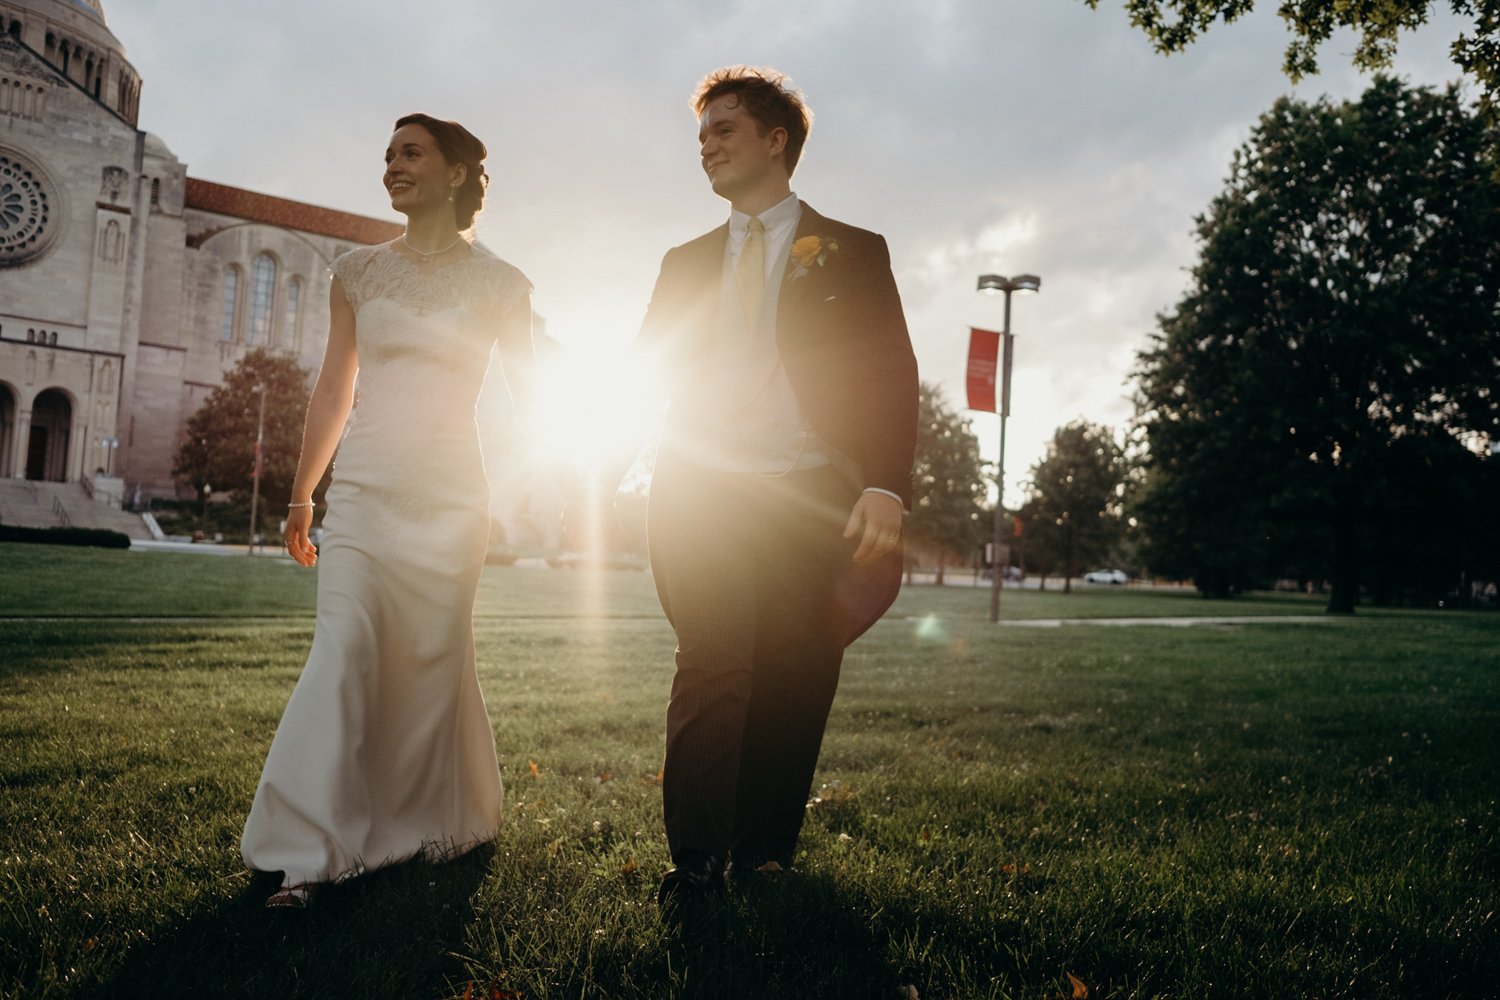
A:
{"x":424,"y":341}
{"x":482,"y":283}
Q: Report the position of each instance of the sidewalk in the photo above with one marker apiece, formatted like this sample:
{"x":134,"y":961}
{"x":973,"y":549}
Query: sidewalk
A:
{"x":1183,"y":622}
{"x":207,"y":549}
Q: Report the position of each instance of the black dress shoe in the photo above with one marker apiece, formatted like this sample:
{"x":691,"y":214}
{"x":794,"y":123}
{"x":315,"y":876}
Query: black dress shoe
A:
{"x":696,"y":878}
{"x":748,"y":862}
{"x":754,"y":875}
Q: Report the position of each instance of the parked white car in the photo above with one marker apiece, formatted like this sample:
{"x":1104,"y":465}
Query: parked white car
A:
{"x":1106,"y":576}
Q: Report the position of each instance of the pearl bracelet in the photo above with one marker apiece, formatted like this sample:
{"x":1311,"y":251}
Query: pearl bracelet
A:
{"x":295,"y":506}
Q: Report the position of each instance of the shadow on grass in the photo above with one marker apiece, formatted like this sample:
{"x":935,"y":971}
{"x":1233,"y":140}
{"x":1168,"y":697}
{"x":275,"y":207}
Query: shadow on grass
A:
{"x":799,"y":935}
{"x":388,"y":934}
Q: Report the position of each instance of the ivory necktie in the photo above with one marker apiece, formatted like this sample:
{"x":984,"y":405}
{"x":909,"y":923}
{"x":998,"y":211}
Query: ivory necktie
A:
{"x":750,"y":270}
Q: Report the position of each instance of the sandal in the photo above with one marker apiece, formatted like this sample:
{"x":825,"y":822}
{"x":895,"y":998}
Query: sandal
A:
{"x":292,"y":897}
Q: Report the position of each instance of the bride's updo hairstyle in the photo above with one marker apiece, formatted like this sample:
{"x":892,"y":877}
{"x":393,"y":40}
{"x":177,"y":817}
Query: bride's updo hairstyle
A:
{"x":458,"y":145}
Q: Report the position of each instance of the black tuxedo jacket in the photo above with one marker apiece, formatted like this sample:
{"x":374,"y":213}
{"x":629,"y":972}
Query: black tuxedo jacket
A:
{"x":843,"y":340}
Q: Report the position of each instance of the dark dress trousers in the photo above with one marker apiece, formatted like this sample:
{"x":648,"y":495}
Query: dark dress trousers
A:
{"x":752,"y":570}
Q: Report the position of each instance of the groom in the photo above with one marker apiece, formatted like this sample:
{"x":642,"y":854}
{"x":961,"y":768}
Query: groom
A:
{"x":784,"y":471}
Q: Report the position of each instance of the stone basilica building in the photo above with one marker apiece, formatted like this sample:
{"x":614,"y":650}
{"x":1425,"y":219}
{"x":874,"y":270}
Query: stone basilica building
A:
{"x":127,"y":287}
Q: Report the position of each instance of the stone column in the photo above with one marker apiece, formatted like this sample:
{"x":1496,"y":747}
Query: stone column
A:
{"x":78,"y":447}
{"x":22,"y":444}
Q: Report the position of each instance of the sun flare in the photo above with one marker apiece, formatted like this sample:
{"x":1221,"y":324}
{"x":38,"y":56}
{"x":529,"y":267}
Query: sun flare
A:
{"x":594,"y":409}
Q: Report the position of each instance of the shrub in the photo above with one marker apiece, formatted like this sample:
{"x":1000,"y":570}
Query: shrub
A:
{"x":100,"y":538}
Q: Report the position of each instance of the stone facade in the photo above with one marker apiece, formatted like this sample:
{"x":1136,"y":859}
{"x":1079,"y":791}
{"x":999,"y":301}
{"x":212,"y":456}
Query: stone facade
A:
{"x":127,"y":288}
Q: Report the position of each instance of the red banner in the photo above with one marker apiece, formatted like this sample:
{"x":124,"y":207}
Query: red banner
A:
{"x":984,"y":354}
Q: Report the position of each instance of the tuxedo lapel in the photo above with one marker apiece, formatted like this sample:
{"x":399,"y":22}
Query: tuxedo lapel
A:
{"x":682,"y":319}
{"x":703,"y":261}
{"x":793,"y":282}
{"x":702,"y":286}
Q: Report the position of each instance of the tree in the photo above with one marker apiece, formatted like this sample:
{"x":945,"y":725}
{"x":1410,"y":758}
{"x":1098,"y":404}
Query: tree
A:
{"x":218,"y":446}
{"x":1073,"y":507}
{"x":1345,"y":300}
{"x":1132,"y":546}
{"x":948,"y":513}
{"x":1173,"y":25}
{"x":1039,"y":547}
{"x":1433,"y":528}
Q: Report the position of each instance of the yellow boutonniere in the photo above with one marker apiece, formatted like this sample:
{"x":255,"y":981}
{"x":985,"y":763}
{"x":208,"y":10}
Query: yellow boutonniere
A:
{"x":808,"y":251}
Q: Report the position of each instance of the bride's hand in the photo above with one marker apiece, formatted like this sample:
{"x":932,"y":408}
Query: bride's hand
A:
{"x":298,"y":545}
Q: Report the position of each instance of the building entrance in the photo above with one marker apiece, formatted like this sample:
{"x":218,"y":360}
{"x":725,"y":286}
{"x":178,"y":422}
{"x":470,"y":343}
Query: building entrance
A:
{"x":47,"y":449}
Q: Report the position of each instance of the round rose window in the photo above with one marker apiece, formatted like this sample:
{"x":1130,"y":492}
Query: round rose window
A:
{"x":25,"y":210}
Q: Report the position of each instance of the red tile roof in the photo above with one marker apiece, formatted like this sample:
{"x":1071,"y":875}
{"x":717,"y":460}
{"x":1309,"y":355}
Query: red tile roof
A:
{"x":252,"y":207}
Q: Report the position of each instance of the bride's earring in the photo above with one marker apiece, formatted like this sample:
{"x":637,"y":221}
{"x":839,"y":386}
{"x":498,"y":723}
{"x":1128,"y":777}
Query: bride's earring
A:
{"x":450,"y":194}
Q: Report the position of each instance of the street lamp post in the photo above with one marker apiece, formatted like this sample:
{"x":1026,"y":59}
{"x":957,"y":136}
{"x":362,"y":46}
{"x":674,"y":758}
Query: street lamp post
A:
{"x":260,"y":435}
{"x":1000,"y":558}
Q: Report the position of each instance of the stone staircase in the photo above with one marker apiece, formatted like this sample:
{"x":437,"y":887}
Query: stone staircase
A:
{"x":25,"y":503}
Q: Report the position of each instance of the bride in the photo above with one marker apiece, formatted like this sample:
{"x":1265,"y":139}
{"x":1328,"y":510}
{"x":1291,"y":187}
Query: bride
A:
{"x":385,"y":751}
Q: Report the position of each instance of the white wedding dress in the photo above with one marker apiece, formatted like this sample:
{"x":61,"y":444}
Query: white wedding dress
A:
{"x":385,"y":751}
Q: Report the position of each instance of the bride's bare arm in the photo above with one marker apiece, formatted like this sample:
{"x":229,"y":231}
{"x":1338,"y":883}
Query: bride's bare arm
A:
{"x":332,"y":396}
{"x":518,"y":356}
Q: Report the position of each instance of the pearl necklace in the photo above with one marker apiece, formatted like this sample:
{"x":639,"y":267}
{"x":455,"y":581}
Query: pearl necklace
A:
{"x":427,"y":255}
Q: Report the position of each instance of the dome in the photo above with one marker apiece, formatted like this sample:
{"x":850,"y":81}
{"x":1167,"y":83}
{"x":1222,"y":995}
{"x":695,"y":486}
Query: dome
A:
{"x":155,"y":147}
{"x":81,"y":19}
{"x":72,"y":37}
{"x":91,"y":7}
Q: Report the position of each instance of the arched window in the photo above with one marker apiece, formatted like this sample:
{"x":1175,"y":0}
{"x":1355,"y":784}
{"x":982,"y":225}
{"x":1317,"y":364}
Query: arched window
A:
{"x":262,"y":294}
{"x":289,"y":331}
{"x":231,"y":302}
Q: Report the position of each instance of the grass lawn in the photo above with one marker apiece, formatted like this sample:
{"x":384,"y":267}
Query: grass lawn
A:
{"x":1258,"y":810}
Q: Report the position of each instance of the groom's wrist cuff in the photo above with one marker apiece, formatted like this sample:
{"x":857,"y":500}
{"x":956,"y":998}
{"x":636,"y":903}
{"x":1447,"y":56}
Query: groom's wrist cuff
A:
{"x":894,"y":496}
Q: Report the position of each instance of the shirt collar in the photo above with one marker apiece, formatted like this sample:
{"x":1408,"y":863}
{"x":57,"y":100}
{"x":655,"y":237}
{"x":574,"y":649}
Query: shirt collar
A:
{"x":780,"y":214}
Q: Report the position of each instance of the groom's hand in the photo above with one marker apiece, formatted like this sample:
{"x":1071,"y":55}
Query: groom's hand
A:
{"x":876,"y":522}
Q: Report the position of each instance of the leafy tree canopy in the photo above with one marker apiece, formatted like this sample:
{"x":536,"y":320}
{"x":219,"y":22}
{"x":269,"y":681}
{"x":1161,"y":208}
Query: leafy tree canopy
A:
{"x":1347,"y":299}
{"x":218,"y":446}
{"x":948,"y":507}
{"x":1173,"y":25}
{"x":1073,"y":509}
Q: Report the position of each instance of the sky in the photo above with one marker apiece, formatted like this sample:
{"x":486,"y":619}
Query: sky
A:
{"x":978,"y":136}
